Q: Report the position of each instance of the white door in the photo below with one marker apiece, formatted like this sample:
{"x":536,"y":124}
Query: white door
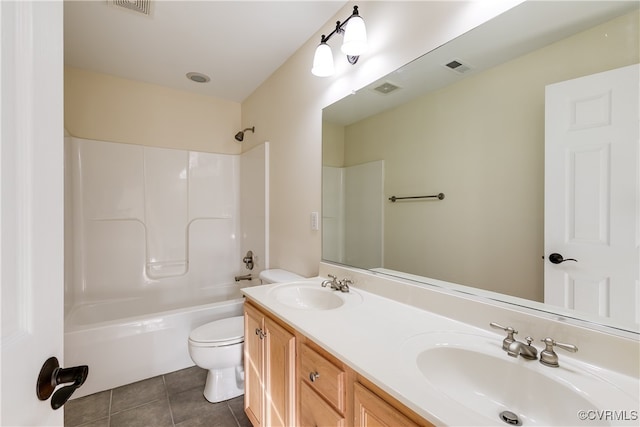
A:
{"x":31,"y":208}
{"x":592,"y":194}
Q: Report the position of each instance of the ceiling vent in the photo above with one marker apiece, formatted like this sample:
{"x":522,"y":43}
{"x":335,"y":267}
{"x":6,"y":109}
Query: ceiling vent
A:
{"x":457,"y":66}
{"x":386,"y":88}
{"x":140,"y":6}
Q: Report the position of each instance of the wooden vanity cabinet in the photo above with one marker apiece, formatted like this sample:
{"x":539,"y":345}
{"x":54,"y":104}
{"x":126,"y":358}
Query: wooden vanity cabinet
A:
{"x":292,"y":381}
{"x":322,"y":385}
{"x":315,"y":411}
{"x":269,"y":362}
{"x":372,"y":411}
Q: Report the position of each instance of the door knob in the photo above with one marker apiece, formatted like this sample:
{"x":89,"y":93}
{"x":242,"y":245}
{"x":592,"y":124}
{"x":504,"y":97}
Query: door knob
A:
{"x":52,"y":375}
{"x":558,"y":259}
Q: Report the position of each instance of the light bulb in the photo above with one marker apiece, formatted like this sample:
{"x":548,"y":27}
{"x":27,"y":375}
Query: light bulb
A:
{"x":355,"y":37}
{"x":322,"y":61}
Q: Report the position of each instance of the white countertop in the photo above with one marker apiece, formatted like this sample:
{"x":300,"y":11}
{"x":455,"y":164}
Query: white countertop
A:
{"x":370,"y":334}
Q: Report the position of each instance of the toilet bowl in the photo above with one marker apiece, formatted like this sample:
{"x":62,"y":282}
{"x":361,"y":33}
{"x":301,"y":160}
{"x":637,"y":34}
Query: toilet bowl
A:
{"x":218,"y":347}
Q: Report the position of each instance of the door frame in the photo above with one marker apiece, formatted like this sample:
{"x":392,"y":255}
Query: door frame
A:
{"x":32,"y":204}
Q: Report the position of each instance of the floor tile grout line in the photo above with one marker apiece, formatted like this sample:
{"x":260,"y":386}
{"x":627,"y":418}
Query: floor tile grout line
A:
{"x":166,"y":392}
{"x":233,"y":414}
{"x":109,"y":411}
{"x":138,"y":406}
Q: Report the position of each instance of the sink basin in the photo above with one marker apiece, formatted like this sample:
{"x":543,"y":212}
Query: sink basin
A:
{"x":312,"y":296}
{"x":492,"y":388}
{"x":493,"y":385}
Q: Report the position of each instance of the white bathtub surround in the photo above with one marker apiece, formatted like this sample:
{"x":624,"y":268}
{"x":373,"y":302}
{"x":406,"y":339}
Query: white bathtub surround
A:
{"x":254,"y":206}
{"x":382,"y":338}
{"x":144,"y":214}
{"x":155,"y":243}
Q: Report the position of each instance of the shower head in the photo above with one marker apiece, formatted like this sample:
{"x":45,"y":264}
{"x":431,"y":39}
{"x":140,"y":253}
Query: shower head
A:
{"x":240,"y":135}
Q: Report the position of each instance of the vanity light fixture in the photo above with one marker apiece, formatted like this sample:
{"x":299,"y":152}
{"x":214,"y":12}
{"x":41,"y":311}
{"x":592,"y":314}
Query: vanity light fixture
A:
{"x":354,"y":44}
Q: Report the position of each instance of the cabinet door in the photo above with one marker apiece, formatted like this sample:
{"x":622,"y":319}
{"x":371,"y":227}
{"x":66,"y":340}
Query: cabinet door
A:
{"x":253,"y":366}
{"x":280,"y":362}
{"x":314,"y":411}
{"x":372,"y":411}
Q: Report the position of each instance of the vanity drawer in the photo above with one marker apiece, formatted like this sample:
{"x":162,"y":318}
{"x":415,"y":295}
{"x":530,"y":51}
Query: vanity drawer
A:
{"x":323,"y":376}
{"x":314,"y":411}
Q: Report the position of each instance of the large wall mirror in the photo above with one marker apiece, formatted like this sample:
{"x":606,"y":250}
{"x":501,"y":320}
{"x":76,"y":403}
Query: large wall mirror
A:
{"x":515,"y":125}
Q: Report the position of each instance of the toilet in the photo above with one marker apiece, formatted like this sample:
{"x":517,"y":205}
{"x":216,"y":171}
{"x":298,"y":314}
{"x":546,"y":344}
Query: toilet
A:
{"x":276,"y":275}
{"x":218,"y":347}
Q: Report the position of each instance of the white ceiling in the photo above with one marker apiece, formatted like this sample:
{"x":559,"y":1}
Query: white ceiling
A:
{"x":239,"y":44}
{"x":527,"y":27}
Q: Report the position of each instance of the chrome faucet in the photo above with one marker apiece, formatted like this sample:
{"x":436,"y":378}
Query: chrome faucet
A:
{"x":332,"y":282}
{"x":344,"y":285}
{"x":527,"y":351}
{"x":245,"y":277}
{"x":548,"y":357}
{"x":510,"y":333}
{"x":337,"y":285}
{"x":516,"y":348}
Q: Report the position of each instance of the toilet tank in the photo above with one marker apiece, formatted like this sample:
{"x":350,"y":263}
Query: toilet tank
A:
{"x":277,"y":275}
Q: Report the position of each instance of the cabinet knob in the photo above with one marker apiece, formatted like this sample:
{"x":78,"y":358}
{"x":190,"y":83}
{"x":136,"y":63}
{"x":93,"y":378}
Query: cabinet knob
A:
{"x":313,"y":376}
{"x":260,"y":333}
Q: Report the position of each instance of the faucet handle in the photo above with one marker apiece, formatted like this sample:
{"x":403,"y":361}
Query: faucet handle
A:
{"x":510,"y":333}
{"x":548,"y":356}
{"x":344,"y":284}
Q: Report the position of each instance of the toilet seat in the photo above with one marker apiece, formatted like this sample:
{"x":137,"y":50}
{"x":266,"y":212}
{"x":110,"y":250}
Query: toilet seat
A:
{"x":219,"y":333}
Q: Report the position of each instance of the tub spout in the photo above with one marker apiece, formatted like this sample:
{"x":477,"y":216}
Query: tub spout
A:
{"x":245,"y":277}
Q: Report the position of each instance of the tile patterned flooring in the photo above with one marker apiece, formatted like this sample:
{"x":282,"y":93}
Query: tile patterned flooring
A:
{"x":171,"y":400}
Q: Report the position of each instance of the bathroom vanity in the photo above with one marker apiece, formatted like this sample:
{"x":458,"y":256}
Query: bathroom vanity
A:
{"x":317,"y":356}
{"x":291,"y":380}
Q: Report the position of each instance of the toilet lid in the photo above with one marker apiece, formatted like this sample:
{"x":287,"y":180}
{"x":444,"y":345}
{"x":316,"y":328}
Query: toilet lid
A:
{"x":277,"y":275}
{"x":224,"y":331}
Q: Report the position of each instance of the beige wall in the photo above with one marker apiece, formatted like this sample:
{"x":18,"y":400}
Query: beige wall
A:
{"x":332,"y":144}
{"x":481,"y":142}
{"x":107,"y":108}
{"x":287,"y":108}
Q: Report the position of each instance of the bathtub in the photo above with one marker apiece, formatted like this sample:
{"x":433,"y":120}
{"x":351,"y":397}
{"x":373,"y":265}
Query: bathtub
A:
{"x":129,"y":339}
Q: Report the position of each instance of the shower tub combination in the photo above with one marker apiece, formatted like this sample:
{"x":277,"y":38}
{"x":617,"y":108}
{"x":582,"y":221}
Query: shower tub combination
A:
{"x":152,"y":249}
{"x":128,"y":340}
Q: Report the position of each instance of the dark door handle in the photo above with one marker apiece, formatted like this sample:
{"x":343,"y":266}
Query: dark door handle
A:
{"x":52,"y":375}
{"x":558,"y":259}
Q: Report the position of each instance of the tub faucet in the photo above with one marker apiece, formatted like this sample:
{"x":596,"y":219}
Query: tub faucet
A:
{"x":245,"y":277}
{"x":527,"y":351}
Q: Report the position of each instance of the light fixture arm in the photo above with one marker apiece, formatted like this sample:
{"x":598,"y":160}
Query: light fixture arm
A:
{"x":340,"y":26}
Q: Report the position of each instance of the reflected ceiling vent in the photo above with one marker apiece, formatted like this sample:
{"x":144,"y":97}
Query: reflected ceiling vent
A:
{"x":457,"y":66}
{"x":140,"y":6}
{"x":386,"y":88}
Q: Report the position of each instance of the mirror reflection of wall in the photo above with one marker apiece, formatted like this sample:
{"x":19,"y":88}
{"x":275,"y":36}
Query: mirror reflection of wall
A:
{"x":481,"y":142}
{"x":353,"y":214}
